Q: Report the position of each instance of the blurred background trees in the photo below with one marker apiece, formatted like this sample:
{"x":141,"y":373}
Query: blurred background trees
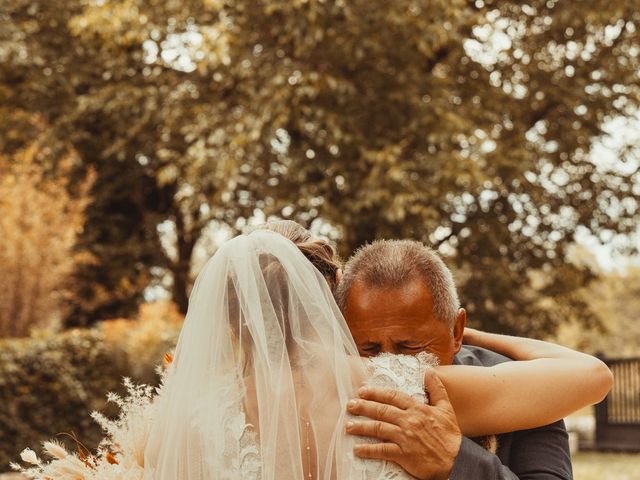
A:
{"x":39,"y":226}
{"x":614,"y":299}
{"x":475,"y":126}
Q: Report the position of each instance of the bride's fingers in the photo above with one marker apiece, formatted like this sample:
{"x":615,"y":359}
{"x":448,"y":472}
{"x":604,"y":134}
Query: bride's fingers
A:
{"x":387,"y":395}
{"x":375,"y":429}
{"x":374,"y":410}
{"x":382,"y":451}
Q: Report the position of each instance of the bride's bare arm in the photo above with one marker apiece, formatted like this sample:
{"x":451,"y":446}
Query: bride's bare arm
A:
{"x":546,"y":384}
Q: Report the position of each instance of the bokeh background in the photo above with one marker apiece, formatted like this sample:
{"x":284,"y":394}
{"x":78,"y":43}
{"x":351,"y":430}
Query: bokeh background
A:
{"x":136,"y":136}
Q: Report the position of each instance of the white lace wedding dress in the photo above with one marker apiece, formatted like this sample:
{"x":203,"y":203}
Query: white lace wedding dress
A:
{"x":402,"y":372}
{"x":405,"y":373}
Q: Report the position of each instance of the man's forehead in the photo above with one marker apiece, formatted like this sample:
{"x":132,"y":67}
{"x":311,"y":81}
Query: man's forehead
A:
{"x":412,"y":290}
{"x":390,"y":313}
{"x":404,"y":335}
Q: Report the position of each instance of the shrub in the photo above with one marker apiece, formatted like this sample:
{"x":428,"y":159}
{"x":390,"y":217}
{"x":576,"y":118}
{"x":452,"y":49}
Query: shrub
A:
{"x":146,"y":339}
{"x":154,"y":333}
{"x":48,"y":386}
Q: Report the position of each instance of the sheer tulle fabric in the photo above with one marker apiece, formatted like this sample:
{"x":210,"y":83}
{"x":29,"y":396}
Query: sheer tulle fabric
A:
{"x":261,"y":374}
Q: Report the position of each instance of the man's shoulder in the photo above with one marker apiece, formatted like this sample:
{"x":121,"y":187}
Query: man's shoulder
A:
{"x":525,"y":450}
{"x":471,"y":355}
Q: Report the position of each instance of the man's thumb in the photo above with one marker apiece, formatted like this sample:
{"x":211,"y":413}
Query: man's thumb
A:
{"x":435,"y":389}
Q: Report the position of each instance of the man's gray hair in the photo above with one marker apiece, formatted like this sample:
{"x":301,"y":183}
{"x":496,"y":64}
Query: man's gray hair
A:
{"x":393,"y":263}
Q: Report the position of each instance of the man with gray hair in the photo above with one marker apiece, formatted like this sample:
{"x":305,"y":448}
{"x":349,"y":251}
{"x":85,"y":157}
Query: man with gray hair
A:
{"x":398,"y":296}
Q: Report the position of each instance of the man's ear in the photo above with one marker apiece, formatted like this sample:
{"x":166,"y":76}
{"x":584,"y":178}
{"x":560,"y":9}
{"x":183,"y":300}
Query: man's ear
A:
{"x":458,"y":329}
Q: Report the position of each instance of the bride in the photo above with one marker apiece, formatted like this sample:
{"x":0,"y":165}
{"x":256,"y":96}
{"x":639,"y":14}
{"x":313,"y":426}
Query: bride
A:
{"x":265,"y":366}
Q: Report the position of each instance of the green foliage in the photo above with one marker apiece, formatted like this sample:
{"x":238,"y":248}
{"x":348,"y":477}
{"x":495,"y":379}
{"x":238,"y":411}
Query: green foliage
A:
{"x":120,"y":233}
{"x":49,"y":386}
{"x":384,"y":119}
{"x":615,"y":300}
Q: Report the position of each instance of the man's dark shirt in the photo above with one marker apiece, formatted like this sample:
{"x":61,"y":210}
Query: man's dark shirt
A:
{"x":536,"y":454}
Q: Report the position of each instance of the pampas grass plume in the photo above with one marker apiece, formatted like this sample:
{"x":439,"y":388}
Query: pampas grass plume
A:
{"x":55,"y":450}
{"x":70,"y":467}
{"x":120,"y":455}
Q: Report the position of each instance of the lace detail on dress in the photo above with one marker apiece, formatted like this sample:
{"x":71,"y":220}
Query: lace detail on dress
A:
{"x":241,"y":457}
{"x":236,"y":449}
{"x":402,"y":372}
{"x":242,"y":453}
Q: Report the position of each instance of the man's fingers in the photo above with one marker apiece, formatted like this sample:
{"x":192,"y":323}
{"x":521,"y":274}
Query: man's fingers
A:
{"x":438,"y":396}
{"x":381,"y":451}
{"x":375,"y":429}
{"x":374,"y":410}
{"x":387,"y":395}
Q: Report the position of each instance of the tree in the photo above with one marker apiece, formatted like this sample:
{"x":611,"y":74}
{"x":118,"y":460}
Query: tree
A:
{"x":614,"y":298}
{"x":39,"y":225}
{"x":480,"y":150}
{"x":130,"y":121}
{"x":82,"y":91}
{"x":464,"y":124}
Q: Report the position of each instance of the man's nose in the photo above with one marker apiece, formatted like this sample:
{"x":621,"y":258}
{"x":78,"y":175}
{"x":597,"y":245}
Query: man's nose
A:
{"x":389,"y":347}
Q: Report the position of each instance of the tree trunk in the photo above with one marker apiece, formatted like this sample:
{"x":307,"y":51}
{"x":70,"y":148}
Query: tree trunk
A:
{"x":185,"y":242}
{"x":15,"y":326}
{"x":180,"y":286}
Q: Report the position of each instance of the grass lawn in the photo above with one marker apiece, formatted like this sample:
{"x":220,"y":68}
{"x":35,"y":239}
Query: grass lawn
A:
{"x":606,"y":466}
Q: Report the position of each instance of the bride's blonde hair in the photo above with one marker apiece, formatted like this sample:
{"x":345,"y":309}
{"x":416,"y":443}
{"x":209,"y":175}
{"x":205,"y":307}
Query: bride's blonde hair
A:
{"x":319,"y":252}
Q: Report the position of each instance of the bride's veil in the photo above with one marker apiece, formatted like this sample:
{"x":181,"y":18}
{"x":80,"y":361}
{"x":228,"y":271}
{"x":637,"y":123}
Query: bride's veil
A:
{"x":261,"y":375}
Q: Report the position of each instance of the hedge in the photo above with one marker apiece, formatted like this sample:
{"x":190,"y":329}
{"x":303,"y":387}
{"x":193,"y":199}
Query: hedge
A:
{"x":49,"y":385}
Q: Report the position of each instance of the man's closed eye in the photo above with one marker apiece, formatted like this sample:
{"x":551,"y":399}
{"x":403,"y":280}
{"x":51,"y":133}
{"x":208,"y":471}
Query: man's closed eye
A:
{"x":370,"y":349}
{"x":411,"y":348}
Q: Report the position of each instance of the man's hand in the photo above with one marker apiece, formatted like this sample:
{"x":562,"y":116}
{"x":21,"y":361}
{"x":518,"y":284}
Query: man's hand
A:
{"x":422,"y":439}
